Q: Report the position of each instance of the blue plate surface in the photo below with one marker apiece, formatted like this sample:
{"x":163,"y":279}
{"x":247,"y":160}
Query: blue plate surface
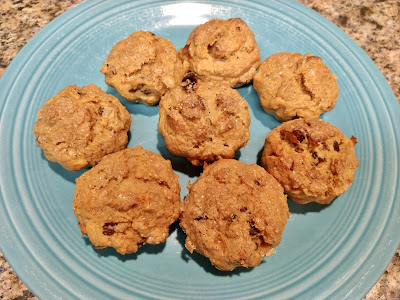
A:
{"x":336,"y":251}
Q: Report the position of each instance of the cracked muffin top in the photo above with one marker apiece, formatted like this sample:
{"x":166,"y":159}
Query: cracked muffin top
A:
{"x":203,"y":120}
{"x":291,"y":85}
{"x":234,"y":214}
{"x":143,"y":67}
{"x":129,"y":199}
{"x":312,"y":159}
{"x":79,"y":126}
{"x":222,"y":50}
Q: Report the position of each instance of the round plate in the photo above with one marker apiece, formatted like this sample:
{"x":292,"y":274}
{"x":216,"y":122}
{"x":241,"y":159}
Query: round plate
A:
{"x":335,"y":251}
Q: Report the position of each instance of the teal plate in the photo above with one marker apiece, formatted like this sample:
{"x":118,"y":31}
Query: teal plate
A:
{"x":334,"y":252}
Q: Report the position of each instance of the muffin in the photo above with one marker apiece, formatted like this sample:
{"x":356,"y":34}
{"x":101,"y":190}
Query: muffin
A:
{"x":292,"y":85}
{"x":79,"y":126}
{"x":203,"y":120}
{"x":312,"y":159}
{"x":143,"y":67}
{"x":222,"y":50}
{"x":234,"y":214}
{"x":129,"y":199}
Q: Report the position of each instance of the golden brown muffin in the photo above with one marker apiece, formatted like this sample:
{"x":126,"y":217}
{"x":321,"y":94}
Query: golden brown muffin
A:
{"x":291,"y":85}
{"x":79,"y":126}
{"x":129,"y":199}
{"x":312,"y":159}
{"x":143,"y":67}
{"x":203,"y":120}
{"x":222,"y":50}
{"x":234,"y":214}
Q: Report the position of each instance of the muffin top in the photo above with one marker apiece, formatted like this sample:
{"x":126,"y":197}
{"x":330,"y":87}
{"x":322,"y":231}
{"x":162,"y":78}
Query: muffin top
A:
{"x":291,"y":85}
{"x":234,"y":214}
{"x":129,"y":199}
{"x":143,"y":67}
{"x":79,"y":126}
{"x":312,"y":159}
{"x":222,"y":50}
{"x":203,"y":120}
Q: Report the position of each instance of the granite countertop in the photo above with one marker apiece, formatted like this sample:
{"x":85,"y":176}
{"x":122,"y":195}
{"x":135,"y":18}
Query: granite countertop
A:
{"x":373,"y":24}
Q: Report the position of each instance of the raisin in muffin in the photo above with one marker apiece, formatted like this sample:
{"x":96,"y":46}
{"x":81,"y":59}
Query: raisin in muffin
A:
{"x":234,"y":214}
{"x":129,"y":199}
{"x":203,"y":120}
{"x":312,"y":159}
{"x":222,"y":50}
{"x":79,"y":126}
{"x":292,"y":85}
{"x":143,"y":67}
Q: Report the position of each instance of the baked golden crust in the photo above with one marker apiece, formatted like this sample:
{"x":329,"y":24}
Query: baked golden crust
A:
{"x":312,"y":159}
{"x":292,"y":85}
{"x":234,"y":214}
{"x":222,"y":50}
{"x":143,"y":67}
{"x":203,"y":120}
{"x":79,"y":126}
{"x":129,"y":199}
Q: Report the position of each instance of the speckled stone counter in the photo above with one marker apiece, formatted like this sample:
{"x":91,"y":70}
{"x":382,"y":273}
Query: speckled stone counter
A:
{"x":374,"y":25}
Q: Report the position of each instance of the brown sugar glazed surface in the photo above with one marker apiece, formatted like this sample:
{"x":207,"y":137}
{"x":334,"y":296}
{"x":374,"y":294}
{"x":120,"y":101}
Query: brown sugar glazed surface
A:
{"x":312,"y":159}
{"x":129,"y":199}
{"x":234,"y":214}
